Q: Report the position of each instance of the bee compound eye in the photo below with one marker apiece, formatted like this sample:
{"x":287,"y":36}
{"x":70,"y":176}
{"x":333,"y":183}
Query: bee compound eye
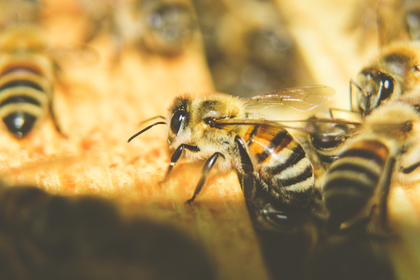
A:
{"x":387,"y":86}
{"x":176,"y":121}
{"x":209,"y":121}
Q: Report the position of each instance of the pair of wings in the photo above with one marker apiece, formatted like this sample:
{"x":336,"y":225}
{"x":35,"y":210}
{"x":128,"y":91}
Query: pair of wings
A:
{"x":303,"y":98}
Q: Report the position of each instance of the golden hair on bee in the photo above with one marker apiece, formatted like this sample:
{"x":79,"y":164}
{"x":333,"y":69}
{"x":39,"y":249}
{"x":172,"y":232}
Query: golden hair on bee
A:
{"x":190,"y":118}
{"x":392,"y":74}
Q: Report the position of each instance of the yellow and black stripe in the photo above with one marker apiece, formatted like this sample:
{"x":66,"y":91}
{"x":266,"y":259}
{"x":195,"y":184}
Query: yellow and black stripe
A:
{"x":280,"y":162}
{"x":353,"y":178}
{"x":24,"y":97}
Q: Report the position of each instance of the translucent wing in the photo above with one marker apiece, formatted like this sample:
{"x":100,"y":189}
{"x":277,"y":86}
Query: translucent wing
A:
{"x":320,"y":127}
{"x":325,"y":129}
{"x":303,"y":98}
{"x":76,"y":57}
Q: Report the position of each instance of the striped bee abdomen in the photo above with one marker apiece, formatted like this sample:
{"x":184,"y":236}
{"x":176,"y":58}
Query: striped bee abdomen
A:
{"x":326,"y":147}
{"x":280,"y":163}
{"x":353,"y":178}
{"x":24,"y":97}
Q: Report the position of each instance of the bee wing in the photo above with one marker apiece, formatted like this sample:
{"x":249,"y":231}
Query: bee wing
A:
{"x":227,"y":122}
{"x":76,"y":57}
{"x":348,"y":128}
{"x":18,"y":11}
{"x":326,"y":127}
{"x":302,"y":98}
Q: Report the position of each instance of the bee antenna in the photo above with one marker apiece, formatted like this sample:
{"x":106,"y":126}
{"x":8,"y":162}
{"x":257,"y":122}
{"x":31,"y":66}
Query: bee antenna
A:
{"x":352,"y":82}
{"x":151,"y":119}
{"x":145,"y":129}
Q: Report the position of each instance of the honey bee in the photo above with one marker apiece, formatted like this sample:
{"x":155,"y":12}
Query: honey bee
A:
{"x":355,"y":192}
{"x":394,"y":74}
{"x":356,"y":185}
{"x":398,"y":20}
{"x":385,"y":22}
{"x":81,"y":237}
{"x":29,"y":69}
{"x":162,"y":27}
{"x":13,"y":11}
{"x":249,"y":47}
{"x":26,"y":79}
{"x":270,"y":163}
{"x":411,"y":10}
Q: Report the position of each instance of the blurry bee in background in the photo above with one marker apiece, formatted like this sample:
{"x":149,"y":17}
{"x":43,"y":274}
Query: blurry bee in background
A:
{"x":171,"y":26}
{"x":356,"y":185}
{"x":249,"y":48}
{"x":224,"y":131}
{"x":412,"y":16}
{"x":398,"y":20}
{"x":363,"y":22}
{"x":29,"y":70}
{"x":27,"y":74}
{"x":23,"y":11}
{"x":394,"y":74}
{"x":87,"y":238}
{"x":355,"y":191}
{"x":385,"y":22}
{"x":162,"y":27}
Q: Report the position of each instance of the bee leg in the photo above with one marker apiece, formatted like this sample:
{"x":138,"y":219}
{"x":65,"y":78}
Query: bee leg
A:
{"x":176,"y":156}
{"x":206,"y":169}
{"x":353,"y":83}
{"x":280,"y":218}
{"x":248,"y":185}
{"x":246,"y":177}
{"x":54,"y":119}
{"x":246,"y":161}
{"x":409,"y":169}
{"x":384,"y":194}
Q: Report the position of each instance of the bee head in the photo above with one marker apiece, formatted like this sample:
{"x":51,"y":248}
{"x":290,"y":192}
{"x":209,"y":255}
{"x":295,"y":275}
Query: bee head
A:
{"x":192,"y":119}
{"x":170,"y":26}
{"x":375,"y":87}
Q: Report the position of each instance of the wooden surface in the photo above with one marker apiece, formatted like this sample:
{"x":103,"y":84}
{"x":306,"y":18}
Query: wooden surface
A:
{"x":100,"y":106}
